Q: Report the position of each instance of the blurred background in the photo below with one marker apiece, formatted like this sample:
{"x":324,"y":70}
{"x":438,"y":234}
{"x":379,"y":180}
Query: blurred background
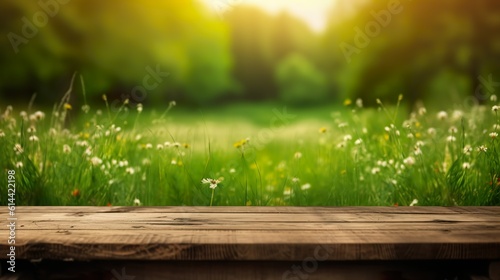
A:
{"x":213,"y":52}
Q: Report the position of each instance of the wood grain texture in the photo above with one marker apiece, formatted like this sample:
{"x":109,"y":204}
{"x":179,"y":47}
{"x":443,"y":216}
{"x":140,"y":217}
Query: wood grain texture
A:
{"x":256,"y":233}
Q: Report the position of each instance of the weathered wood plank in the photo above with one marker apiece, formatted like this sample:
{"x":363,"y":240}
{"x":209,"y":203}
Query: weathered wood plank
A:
{"x":256,"y":233}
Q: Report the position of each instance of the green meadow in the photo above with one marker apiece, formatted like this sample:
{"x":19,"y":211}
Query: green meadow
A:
{"x":266,"y":155}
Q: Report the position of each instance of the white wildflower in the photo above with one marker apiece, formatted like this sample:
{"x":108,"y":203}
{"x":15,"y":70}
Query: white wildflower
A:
{"x":85,"y":108}
{"x":18,"y":149}
{"x":213,"y":182}
{"x":409,"y":161}
{"x":305,"y":187}
{"x":493,"y":135}
{"x":358,"y":141}
{"x":19,"y":164}
{"x":342,"y":125}
{"x":66,"y":149}
{"x":359,"y":102}
{"x":137,"y":202}
{"x":495,"y":108}
{"x":414,"y":202}
{"x":482,"y":148}
{"x":467,"y":149}
{"x":493,"y":98}
{"x":422,"y":111}
{"x":33,"y":138}
{"x":130,"y":170}
{"x":451,"y":138}
{"x":466,"y":165}
{"x":297,"y":155}
{"x":96,"y":161}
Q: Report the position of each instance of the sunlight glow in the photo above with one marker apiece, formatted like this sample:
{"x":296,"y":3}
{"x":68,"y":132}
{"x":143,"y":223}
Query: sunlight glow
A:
{"x":313,"y":12}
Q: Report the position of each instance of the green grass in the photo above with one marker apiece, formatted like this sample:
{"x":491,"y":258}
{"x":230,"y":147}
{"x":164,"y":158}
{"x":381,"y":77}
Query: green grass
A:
{"x":335,"y":156}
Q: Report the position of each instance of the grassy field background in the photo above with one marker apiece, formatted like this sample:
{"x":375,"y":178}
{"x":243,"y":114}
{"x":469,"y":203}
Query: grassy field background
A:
{"x":244,"y":154}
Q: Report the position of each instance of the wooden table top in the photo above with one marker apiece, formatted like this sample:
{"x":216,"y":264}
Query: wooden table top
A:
{"x":254,"y":233}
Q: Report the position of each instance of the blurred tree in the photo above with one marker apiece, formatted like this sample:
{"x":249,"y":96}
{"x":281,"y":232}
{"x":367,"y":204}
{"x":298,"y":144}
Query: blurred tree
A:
{"x":143,"y":50}
{"x":300,"y":83}
{"x":415,"y":48}
{"x":261,"y":41}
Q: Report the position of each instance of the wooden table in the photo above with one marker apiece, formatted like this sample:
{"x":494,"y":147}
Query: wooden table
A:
{"x":254,"y":242}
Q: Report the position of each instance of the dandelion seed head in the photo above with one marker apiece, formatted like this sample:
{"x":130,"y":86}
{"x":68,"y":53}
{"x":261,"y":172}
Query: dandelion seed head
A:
{"x":442,"y":115}
{"x":457,"y":114}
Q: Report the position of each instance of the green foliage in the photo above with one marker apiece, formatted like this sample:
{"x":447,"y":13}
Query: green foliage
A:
{"x":115,"y":45}
{"x":299,"y":81}
{"x":297,"y":157}
{"x":375,"y":52}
